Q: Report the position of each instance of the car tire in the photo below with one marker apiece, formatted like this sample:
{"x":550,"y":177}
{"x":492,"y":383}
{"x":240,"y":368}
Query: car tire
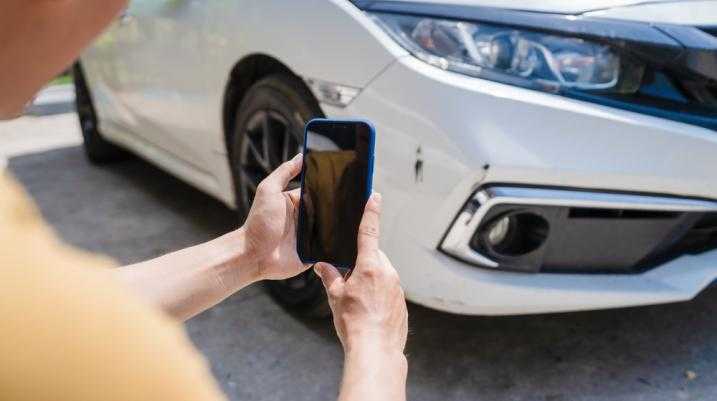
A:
{"x":268,"y":130}
{"x":97,"y":149}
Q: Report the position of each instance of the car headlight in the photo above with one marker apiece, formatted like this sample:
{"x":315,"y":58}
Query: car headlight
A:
{"x":516,"y":56}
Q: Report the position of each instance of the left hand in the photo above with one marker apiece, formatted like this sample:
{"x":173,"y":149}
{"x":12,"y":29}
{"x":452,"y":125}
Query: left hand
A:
{"x":270,"y":228}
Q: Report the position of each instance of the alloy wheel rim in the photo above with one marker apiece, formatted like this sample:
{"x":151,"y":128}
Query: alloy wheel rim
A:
{"x":269,"y":140}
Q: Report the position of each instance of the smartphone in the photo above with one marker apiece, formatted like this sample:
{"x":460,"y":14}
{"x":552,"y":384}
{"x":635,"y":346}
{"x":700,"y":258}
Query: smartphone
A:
{"x":336,"y":181}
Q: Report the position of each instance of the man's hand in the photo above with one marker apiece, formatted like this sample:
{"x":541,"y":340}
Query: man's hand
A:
{"x":270,"y":228}
{"x":189,"y":281}
{"x":370,"y":316}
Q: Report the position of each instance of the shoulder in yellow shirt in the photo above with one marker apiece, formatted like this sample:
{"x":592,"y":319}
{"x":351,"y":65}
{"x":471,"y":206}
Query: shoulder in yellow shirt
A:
{"x":70,"y":332}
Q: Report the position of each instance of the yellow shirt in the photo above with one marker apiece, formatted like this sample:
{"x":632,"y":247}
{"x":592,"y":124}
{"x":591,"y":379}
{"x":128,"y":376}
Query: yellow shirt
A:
{"x":68,"y":331}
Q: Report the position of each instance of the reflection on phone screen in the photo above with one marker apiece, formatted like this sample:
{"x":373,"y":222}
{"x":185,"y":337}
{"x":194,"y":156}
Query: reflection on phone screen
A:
{"x":336,"y":168}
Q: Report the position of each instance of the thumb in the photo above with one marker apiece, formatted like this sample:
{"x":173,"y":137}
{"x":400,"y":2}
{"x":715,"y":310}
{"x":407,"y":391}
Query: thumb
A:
{"x":330,"y":277}
{"x":279,"y":178}
{"x":368,"y":233}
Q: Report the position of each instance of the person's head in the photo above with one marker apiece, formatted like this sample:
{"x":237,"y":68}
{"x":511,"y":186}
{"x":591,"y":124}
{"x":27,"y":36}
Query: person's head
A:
{"x":42,"y":38}
{"x":16,"y":94}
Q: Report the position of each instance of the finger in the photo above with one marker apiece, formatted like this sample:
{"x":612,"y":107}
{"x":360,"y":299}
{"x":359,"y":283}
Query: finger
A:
{"x":303,"y":267}
{"x":368,"y":234}
{"x":279,"y":178}
{"x":387,"y":265}
{"x":294,"y":196}
{"x":330,"y":277}
{"x":295,"y":267}
{"x":386,"y":262}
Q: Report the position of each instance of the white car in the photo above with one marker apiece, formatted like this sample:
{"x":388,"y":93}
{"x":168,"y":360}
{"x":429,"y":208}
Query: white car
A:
{"x":534,"y":155}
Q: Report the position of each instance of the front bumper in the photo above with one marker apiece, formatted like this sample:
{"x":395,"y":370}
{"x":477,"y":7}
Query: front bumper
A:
{"x":442,"y":283}
{"x":463,"y":133}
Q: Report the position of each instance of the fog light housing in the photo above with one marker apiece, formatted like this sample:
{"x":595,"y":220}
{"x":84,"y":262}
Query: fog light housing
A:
{"x":549,"y":230}
{"x":512,"y":234}
{"x":498,"y":231}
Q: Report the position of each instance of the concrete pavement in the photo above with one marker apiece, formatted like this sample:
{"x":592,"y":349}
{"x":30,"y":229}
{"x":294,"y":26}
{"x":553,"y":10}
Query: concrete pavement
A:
{"x":55,"y":99}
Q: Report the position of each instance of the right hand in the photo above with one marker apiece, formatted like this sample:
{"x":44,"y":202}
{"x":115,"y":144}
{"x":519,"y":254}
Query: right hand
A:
{"x":270,"y":227}
{"x":369,"y":308}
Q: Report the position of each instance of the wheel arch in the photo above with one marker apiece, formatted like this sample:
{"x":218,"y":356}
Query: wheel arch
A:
{"x":243,"y":75}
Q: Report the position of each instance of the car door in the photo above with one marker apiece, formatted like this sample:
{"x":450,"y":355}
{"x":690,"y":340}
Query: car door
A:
{"x":168,"y":97}
{"x":109,"y":70}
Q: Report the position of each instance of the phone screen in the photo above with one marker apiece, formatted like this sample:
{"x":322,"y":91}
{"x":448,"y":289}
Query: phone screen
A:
{"x":338,"y":158}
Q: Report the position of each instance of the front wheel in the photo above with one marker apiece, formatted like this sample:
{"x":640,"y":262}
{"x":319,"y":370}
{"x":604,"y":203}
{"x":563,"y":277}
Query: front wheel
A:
{"x":268,"y":131}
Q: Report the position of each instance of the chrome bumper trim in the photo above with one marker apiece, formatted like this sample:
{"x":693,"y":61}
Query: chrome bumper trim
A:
{"x":457,"y":240}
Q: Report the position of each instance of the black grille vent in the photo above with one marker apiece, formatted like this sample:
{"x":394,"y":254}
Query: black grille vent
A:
{"x":700,"y":237}
{"x":712,"y":89}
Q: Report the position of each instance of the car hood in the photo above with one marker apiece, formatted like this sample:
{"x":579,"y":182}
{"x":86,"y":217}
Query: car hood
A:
{"x":552,"y":6}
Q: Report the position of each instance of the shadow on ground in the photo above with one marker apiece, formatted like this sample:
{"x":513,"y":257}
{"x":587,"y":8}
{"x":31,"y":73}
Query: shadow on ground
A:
{"x":133,"y":211}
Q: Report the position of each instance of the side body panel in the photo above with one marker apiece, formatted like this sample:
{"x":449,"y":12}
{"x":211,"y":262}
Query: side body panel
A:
{"x":166,"y":93}
{"x":178,"y":56}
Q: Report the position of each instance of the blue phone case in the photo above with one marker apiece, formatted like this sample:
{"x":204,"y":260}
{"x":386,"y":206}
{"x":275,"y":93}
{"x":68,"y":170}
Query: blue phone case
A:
{"x":369,"y":176}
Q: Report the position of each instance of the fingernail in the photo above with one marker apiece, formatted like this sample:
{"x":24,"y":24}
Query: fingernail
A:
{"x":377,"y":197}
{"x":317,"y":270}
{"x":296,"y":157}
